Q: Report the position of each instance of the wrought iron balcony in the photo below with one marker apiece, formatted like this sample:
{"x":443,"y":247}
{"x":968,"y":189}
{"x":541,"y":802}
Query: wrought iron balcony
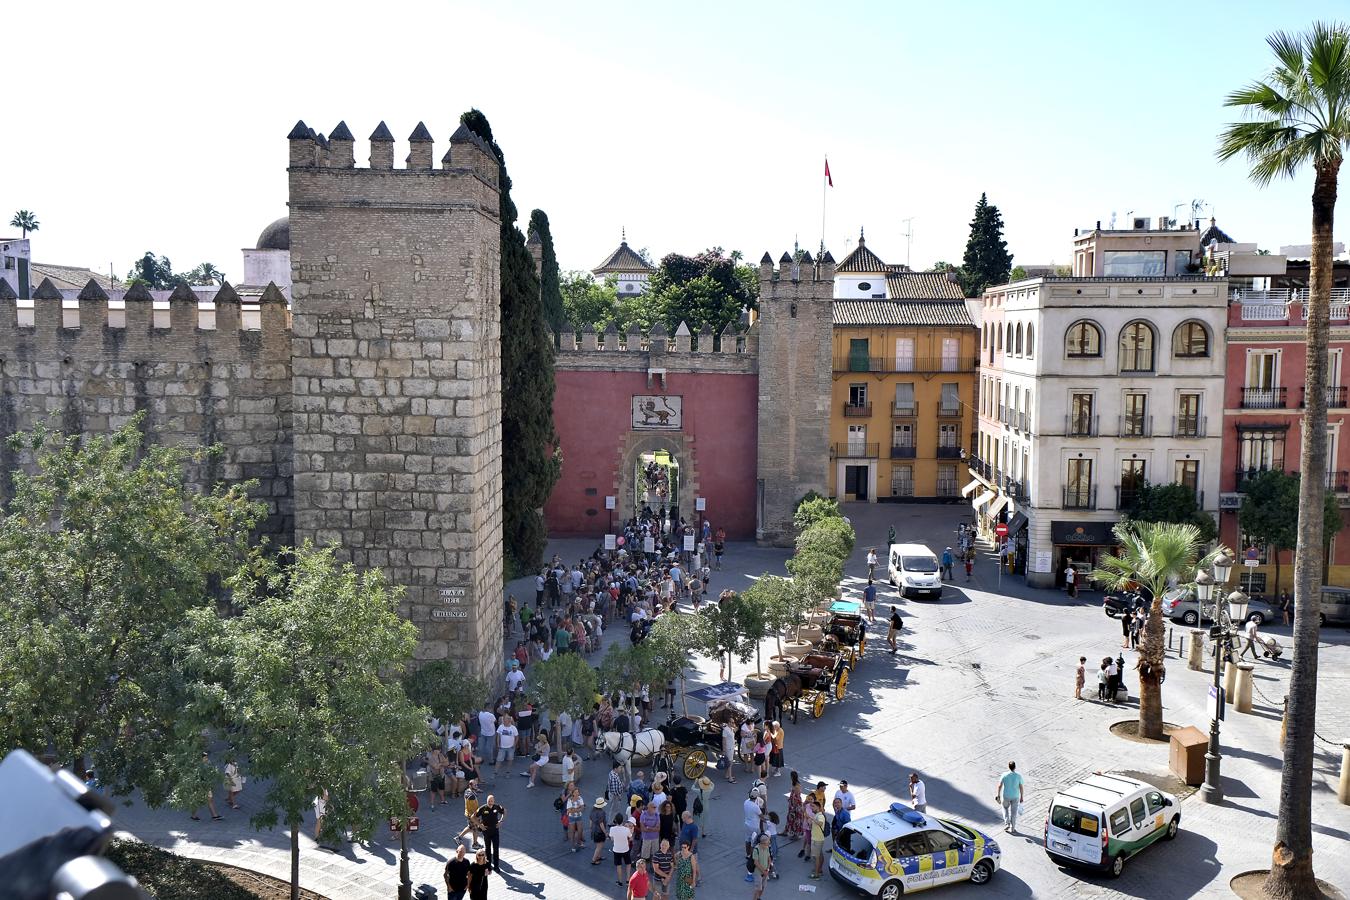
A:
{"x":948,"y":410}
{"x":1264,"y":398}
{"x":1335,"y":397}
{"x":902,"y":451}
{"x":1081,"y":426}
{"x":1188,"y":426}
{"x":1133,"y":426}
{"x":948,"y":452}
{"x":1243,"y":475}
{"x":890,"y":364}
{"x":850,"y":450}
{"x":904,"y":410}
{"x":1080,"y":497}
{"x":857,"y":410}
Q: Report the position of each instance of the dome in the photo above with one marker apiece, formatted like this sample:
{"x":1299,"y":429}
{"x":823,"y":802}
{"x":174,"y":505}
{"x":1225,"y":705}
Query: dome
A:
{"x":276,"y":236}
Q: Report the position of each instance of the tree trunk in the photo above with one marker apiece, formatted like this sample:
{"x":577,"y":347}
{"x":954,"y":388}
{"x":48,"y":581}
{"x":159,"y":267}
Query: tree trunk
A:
{"x":1291,"y":871}
{"x":1152,"y":663}
{"x":295,"y":860}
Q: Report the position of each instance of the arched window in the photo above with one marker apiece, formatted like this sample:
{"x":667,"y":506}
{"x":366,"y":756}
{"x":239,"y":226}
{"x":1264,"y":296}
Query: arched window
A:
{"x":1191,"y":340}
{"x":998,"y":337}
{"x":1031,"y":341}
{"x":1083,"y":338}
{"x":1136,"y":347}
{"x":984,"y":337}
{"x":1019,"y":338}
{"x":1008,"y":344}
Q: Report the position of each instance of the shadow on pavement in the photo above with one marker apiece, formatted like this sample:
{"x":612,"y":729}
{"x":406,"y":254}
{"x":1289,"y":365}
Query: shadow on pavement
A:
{"x":1179,"y":868}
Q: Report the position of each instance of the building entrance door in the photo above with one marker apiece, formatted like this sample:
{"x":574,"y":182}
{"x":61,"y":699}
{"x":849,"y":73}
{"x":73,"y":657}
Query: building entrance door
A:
{"x":657,"y":478}
{"x":855,"y":481}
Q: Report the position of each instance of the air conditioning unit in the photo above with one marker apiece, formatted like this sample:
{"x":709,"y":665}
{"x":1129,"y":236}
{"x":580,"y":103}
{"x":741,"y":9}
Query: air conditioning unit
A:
{"x":1230,"y":501}
{"x":1166,"y":222}
{"x":1142,"y":224}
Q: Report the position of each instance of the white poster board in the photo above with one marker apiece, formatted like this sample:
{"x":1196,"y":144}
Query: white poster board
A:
{"x":689,"y":543}
{"x":701,"y":504}
{"x":609,"y":503}
{"x":609,"y":542}
{"x":1042,"y":561}
{"x":649,"y":545}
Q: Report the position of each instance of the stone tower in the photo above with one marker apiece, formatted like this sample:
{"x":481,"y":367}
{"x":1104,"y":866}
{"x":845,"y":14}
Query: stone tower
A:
{"x":796,"y":328}
{"x":397,"y":375}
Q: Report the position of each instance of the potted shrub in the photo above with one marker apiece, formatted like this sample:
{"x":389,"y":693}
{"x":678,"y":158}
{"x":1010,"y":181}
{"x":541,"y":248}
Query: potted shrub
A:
{"x":564,"y":683}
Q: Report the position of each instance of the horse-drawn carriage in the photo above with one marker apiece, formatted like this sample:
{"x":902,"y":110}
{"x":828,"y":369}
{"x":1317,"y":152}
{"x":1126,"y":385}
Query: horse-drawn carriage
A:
{"x":846,"y":626}
{"x":690,"y":738}
{"x":819,"y":677}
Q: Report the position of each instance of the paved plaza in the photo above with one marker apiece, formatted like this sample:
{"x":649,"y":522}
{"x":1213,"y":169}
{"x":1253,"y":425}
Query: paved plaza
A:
{"x":983,"y":677}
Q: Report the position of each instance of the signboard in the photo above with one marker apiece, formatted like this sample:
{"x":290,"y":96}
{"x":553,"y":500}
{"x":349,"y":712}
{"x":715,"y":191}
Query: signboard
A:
{"x":657,"y":412}
{"x":1252,"y":557}
{"x":700,"y":504}
{"x":609,"y":502}
{"x":1230,"y":501}
{"x":1001,"y":530}
{"x":1042,"y":561}
{"x":1216,"y":693}
{"x":451,"y":613}
{"x":1082,"y":533}
{"x":609,"y":542}
{"x":689,"y":543}
{"x":649,"y":545}
{"x":453,"y":595}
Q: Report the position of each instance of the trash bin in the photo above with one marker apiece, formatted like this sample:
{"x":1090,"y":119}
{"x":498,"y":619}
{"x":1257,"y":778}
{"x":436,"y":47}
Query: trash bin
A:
{"x":1187,"y":756}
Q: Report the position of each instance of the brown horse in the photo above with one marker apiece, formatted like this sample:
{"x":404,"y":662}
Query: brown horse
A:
{"x":785,"y":689}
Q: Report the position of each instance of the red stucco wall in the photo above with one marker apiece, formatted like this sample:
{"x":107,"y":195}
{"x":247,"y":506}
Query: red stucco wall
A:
{"x":592,"y":412}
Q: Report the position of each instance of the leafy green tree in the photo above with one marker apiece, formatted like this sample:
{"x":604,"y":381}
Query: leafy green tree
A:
{"x":781,"y":605}
{"x":1298,"y":116}
{"x":564,"y":683}
{"x":549,"y":284}
{"x":312,"y":672}
{"x":449,"y":692}
{"x":26,"y":221}
{"x":205,"y":274}
{"x":1153,"y":556}
{"x":104,"y":549}
{"x":531,"y":462}
{"x":812,"y":509}
{"x":818,"y":573}
{"x":722,"y":629}
{"x":1270,"y":511}
{"x":710,"y":288}
{"x":620,"y":669}
{"x":831,"y":536}
{"x":155,"y":272}
{"x":1017,"y":274}
{"x":1172,"y":503}
{"x":987,"y":260}
{"x":587,"y":303}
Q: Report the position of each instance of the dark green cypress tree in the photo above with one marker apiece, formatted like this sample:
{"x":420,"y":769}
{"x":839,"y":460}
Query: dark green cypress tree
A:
{"x":550,"y":284}
{"x":987,"y":260}
{"x":530,"y":460}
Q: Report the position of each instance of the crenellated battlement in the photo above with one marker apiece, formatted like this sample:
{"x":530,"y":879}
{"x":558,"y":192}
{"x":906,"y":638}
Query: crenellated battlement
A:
{"x":144,"y":326}
{"x":796,"y":279}
{"x":468,"y":156}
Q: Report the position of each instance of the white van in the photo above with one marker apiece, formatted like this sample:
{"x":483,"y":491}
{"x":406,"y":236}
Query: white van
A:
{"x":1102,"y":820}
{"x":915,"y":571}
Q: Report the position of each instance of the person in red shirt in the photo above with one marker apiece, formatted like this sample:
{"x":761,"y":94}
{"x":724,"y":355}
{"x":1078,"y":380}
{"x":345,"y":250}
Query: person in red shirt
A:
{"x":639,"y":885}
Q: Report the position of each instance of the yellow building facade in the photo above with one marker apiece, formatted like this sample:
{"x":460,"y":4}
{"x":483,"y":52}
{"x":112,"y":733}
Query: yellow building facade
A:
{"x":903,"y":404}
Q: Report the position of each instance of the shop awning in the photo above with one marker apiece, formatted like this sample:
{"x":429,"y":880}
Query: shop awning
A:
{"x":983,"y":499}
{"x":970,"y":488}
{"x":997,"y":506}
{"x":1017,"y":523}
{"x":1087,"y":534}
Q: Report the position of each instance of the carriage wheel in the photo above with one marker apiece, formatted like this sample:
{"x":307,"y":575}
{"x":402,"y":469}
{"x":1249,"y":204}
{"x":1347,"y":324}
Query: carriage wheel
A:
{"x":818,"y":705}
{"x":695,"y":764}
{"x":840,"y":685}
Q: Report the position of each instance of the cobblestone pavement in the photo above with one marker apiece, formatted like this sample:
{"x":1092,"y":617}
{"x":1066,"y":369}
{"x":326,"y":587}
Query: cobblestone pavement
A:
{"x":982,"y":677}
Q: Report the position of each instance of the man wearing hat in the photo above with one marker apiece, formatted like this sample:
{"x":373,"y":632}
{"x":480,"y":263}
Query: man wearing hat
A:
{"x":598,"y":828}
{"x":515,"y":679}
{"x":762,"y":861}
{"x":947,"y":561}
{"x":659,"y":794}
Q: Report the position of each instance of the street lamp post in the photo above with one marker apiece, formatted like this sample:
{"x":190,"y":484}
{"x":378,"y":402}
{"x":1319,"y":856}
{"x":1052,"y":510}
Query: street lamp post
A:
{"x":1207,"y":587}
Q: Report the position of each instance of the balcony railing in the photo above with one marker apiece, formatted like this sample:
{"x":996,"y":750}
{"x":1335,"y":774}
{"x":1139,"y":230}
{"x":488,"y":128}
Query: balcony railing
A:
{"x":1023,"y":422}
{"x":1081,"y":426}
{"x":1264,"y":398}
{"x":889,"y":364}
{"x":1335,"y":397}
{"x":850,"y":450}
{"x":1284,"y":295}
{"x":1263,"y":311}
{"x":902,"y":451}
{"x":857,"y":410}
{"x":1243,"y":475}
{"x":1133,"y":426}
{"x":1126,"y":494}
{"x":1188,"y":426}
{"x":1078,"y":497}
{"x":945,"y":452}
{"x":978,"y":466}
{"x":905,"y":410}
{"x":1338,"y":482}
{"x":946,"y":488}
{"x":948,"y":410}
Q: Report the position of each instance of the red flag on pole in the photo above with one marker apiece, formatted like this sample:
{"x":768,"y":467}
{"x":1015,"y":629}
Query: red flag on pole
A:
{"x":828,"y":179}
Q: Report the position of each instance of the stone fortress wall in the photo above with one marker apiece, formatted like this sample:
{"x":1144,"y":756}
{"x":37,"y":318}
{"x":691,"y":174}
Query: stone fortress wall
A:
{"x":202,"y":377}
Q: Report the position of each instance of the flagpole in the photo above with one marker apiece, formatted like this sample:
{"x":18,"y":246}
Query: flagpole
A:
{"x":824,"y":185}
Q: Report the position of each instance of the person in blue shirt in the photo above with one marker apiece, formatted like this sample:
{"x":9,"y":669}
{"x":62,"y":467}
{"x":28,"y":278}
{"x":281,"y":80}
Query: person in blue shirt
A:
{"x":870,"y":601}
{"x":689,"y":831}
{"x":1010,"y":793}
{"x":947,"y":561}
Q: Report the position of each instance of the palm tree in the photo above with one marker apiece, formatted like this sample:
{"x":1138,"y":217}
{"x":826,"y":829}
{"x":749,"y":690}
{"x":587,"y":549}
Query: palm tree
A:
{"x":206,"y":274}
{"x":1154,"y":557}
{"x":25,"y":220}
{"x":1300,"y":115}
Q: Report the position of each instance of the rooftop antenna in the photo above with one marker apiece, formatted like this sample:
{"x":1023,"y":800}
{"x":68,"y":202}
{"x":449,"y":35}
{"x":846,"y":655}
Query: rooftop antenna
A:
{"x":1111,"y":226}
{"x":909,"y":237}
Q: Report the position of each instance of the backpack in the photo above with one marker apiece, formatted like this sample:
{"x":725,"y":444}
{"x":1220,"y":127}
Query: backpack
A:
{"x":698,"y":806}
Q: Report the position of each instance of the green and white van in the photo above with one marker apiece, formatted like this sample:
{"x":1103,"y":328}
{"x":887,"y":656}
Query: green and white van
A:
{"x":1104,"y":819}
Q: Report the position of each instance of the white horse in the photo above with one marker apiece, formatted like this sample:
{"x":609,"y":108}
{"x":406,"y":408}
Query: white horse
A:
{"x":622,"y":746}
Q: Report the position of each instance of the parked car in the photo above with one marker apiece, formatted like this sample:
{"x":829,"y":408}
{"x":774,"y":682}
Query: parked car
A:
{"x":1180,"y":605}
{"x":902,"y":851}
{"x":1104,"y":819}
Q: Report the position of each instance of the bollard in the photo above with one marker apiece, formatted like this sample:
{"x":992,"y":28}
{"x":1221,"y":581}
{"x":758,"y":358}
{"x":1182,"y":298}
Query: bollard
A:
{"x":1196,"y":660}
{"x":1343,"y":789}
{"x":1229,"y":682}
{"x":1243,"y":704}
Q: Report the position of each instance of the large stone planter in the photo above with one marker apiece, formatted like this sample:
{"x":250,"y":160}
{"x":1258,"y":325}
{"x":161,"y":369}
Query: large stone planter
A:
{"x":778,"y":665}
{"x":817,"y":619}
{"x":757,"y":684}
{"x":796,"y":649}
{"x":551,"y":772}
{"x":811,"y":633}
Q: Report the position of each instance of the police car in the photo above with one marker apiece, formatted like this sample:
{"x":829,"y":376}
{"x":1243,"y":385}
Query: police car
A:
{"x":901,"y":851}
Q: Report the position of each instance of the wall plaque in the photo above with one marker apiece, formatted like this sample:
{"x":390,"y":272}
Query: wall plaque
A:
{"x":455,"y":595}
{"x":451,"y":613}
{"x":657,"y":412}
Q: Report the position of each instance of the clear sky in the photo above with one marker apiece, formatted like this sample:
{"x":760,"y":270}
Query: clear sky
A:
{"x":138,"y":125}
